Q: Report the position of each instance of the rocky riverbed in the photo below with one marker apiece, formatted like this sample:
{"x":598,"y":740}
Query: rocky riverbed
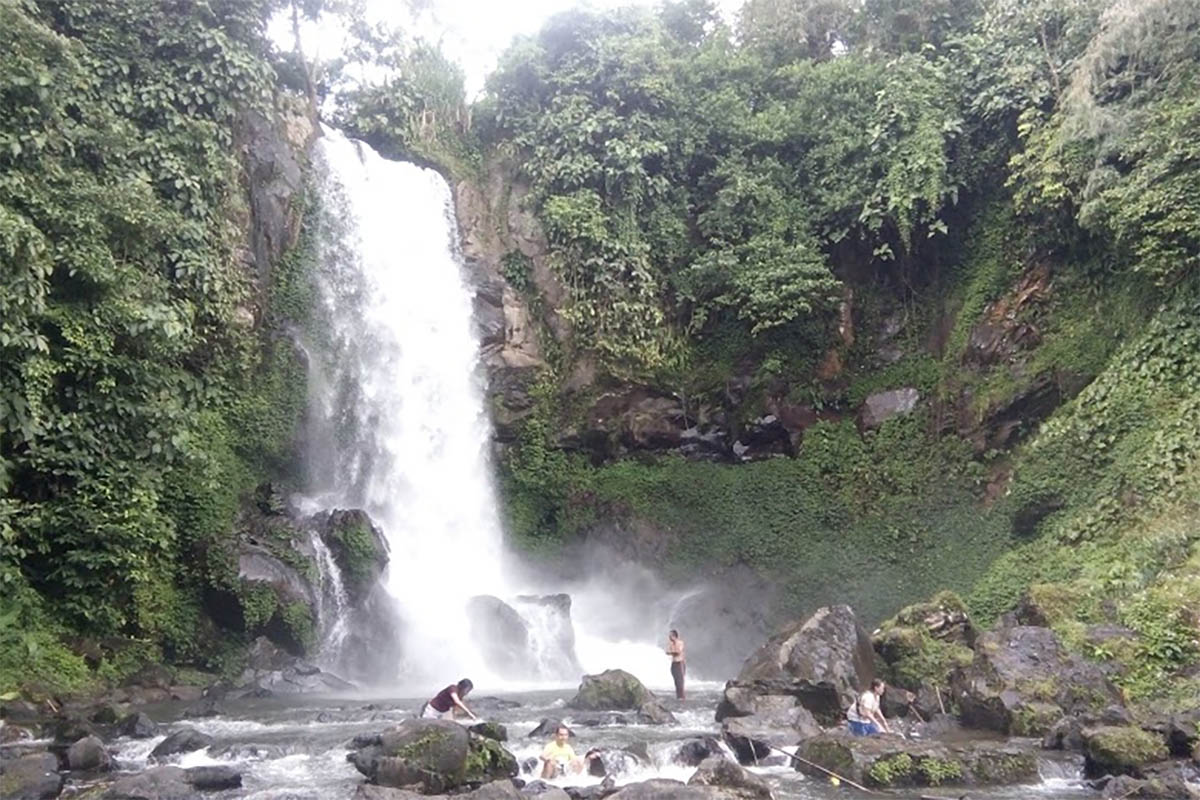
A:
{"x":1009,"y":715}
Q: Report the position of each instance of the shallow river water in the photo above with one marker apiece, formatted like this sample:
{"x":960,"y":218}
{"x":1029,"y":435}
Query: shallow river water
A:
{"x":296,"y":749}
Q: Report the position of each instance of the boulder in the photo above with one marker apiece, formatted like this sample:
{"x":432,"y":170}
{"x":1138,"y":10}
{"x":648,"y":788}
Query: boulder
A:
{"x":213,"y":778}
{"x":88,"y":754}
{"x":30,"y":777}
{"x":1160,"y":787}
{"x":890,"y":762}
{"x":617,"y":689}
{"x":1114,"y":750}
{"x":106,"y":714}
{"x":546,"y":728}
{"x":925,"y":642}
{"x":425,"y":752}
{"x":822,"y":661}
{"x":733,"y":781}
{"x":184,"y":740}
{"x":882,"y":406}
{"x":695,"y":750}
{"x":1017,"y":673}
{"x":502,"y":635}
{"x":662,"y":789}
{"x":138,"y":726}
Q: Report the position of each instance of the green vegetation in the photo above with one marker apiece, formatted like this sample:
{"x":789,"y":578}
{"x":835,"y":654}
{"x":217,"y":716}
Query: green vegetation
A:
{"x":144,"y":381}
{"x":892,"y":770}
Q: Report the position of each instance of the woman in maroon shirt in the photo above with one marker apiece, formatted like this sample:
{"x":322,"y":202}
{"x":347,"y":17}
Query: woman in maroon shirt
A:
{"x":443,"y":703}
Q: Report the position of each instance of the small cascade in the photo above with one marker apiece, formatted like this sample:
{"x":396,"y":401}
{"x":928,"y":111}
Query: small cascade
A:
{"x":551,"y":636}
{"x":333,"y":605}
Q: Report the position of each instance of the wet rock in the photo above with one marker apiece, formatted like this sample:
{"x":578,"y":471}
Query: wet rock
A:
{"x":502,"y":636}
{"x":366,"y":791}
{"x":617,"y":689}
{"x":206,"y":707}
{"x":31,"y":777}
{"x":213,"y":778}
{"x":425,"y":752}
{"x":546,"y":728}
{"x":661,"y":789}
{"x":185,"y":740}
{"x":156,"y":783}
{"x":882,"y":406}
{"x":488,"y":760}
{"x":358,"y":547}
{"x":543,"y":791}
{"x":490,"y":730}
{"x":822,"y":661}
{"x":752,"y":738}
{"x":237,"y":751}
{"x":496,"y":790}
{"x":88,"y":754}
{"x":733,"y":781}
{"x":1113,"y":750}
{"x":613,"y":762}
{"x":1017,"y":667}
{"x":598,"y":720}
{"x":138,"y":726}
{"x":887,"y":761}
{"x":1161,"y":787}
{"x":692,"y":751}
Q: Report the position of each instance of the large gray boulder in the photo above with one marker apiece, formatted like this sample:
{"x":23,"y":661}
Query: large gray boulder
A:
{"x":1022,"y":680}
{"x":31,"y":777}
{"x":754,"y":738}
{"x":428,"y":753}
{"x":662,"y":789}
{"x":882,"y":406}
{"x":88,"y":754}
{"x":822,"y":661}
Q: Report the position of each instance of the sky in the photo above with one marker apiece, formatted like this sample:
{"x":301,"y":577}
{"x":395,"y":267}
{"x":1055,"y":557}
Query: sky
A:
{"x":472,"y":32}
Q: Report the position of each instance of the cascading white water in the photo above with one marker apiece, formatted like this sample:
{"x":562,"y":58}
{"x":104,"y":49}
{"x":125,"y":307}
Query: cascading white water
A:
{"x":398,"y":429}
{"x":403,"y":399}
{"x":333,"y":606}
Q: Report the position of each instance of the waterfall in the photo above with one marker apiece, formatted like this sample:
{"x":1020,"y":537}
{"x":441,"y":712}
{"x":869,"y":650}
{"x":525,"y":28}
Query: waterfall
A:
{"x":400,"y":424}
{"x":398,"y":428}
{"x":333,"y":607}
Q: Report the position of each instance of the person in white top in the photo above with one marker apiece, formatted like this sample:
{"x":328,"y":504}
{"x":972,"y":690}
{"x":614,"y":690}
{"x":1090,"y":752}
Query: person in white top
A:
{"x":864,"y":716}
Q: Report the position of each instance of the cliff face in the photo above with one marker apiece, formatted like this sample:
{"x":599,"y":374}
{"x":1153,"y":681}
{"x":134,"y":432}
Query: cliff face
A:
{"x":870,"y":463}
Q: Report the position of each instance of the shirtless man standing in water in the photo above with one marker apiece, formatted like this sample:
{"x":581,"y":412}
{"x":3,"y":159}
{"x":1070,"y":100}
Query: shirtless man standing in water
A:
{"x":678,"y":662}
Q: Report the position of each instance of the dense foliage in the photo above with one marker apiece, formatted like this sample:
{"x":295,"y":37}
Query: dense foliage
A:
{"x":139,"y":396}
{"x":940,"y":168}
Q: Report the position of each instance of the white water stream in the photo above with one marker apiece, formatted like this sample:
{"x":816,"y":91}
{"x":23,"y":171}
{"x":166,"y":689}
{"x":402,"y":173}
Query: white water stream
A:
{"x":400,"y":428}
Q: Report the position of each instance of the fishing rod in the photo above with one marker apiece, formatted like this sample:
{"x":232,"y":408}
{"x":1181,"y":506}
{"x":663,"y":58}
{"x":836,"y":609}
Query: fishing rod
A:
{"x":828,"y":772}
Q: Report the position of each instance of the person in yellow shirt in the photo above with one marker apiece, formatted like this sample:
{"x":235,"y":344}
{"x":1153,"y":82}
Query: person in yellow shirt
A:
{"x":558,"y":757}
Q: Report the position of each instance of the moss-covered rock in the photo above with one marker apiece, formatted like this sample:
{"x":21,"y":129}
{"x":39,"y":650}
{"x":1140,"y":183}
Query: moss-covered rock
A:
{"x":1117,"y":750}
{"x":890,"y":762}
{"x":611,"y":689}
{"x":430,"y":753}
{"x":488,"y":760}
{"x":357,"y":546}
{"x":1034,"y":718}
